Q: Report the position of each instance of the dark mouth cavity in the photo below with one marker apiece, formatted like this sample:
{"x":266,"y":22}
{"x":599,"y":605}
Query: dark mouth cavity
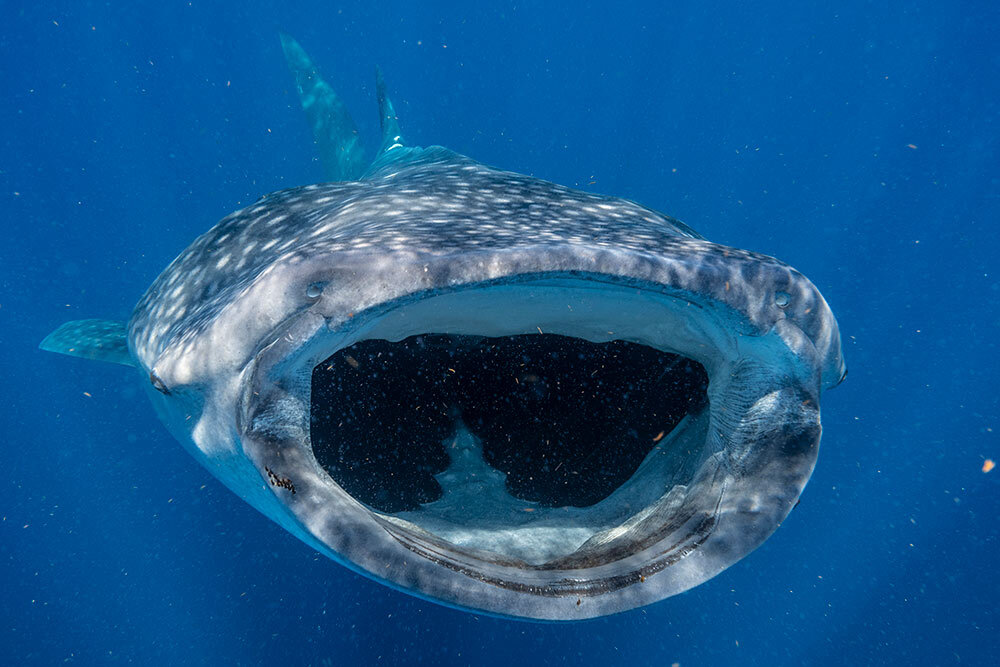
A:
{"x":566,"y":420}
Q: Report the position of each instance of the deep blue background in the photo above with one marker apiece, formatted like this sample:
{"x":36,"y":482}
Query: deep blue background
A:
{"x":858,"y":143}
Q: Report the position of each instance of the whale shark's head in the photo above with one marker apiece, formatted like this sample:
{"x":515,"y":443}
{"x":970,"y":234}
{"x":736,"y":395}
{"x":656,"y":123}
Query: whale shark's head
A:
{"x":492,"y":391}
{"x":482,"y":388}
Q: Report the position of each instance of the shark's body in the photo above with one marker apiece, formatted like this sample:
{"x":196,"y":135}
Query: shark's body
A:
{"x":236,"y":334}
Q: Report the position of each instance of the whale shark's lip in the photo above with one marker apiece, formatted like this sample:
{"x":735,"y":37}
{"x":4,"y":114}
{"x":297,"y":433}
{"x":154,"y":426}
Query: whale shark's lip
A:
{"x":733,"y":469}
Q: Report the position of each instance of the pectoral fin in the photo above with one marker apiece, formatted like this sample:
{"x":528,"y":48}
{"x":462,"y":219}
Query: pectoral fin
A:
{"x":101,"y":340}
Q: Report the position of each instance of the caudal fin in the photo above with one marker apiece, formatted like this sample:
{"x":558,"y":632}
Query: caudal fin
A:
{"x":101,"y":340}
{"x":336,"y":135}
{"x":392,"y":137}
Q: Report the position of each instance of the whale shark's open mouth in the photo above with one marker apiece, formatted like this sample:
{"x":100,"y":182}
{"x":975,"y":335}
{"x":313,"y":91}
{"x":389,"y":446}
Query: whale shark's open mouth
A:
{"x":550,"y":438}
{"x":520,"y":445}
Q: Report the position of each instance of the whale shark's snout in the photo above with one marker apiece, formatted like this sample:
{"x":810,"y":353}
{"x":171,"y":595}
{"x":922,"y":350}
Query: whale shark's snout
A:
{"x":485,"y":389}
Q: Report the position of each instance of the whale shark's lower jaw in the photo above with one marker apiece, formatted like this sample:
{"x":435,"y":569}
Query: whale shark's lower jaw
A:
{"x":555,"y":447}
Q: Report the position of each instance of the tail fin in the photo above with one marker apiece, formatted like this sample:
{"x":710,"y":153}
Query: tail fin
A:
{"x":392,"y":137}
{"x":334,"y":130}
{"x":101,"y":340}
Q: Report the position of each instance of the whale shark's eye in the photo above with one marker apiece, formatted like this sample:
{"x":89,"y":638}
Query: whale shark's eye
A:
{"x":157,"y":383}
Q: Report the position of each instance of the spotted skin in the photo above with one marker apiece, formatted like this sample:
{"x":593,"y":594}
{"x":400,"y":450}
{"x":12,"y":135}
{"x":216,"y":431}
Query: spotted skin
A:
{"x":433,"y":203}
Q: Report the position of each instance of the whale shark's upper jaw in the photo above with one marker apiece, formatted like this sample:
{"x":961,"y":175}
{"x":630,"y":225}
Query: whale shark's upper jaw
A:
{"x":549,"y":445}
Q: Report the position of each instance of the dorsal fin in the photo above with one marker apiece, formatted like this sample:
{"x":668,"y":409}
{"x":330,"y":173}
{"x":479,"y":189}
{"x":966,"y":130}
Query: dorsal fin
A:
{"x":101,"y":340}
{"x":336,"y":135}
{"x":392,"y":137}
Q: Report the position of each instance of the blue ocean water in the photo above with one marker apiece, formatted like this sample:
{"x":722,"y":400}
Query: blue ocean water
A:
{"x":857,"y":142}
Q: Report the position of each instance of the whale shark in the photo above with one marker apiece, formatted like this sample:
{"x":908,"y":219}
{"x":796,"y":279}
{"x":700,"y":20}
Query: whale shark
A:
{"x":481,"y":388}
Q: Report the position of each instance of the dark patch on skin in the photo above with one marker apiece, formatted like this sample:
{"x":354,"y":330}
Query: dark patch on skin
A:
{"x":281,"y":482}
